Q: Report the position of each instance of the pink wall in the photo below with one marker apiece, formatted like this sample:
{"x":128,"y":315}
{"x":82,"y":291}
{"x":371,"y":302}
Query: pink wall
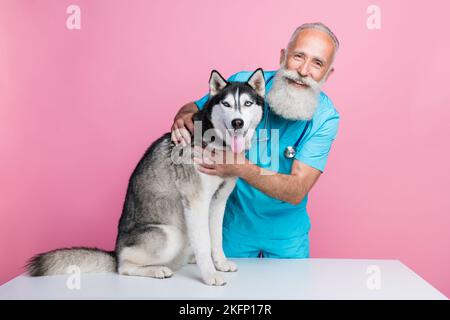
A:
{"x":78,"y":108}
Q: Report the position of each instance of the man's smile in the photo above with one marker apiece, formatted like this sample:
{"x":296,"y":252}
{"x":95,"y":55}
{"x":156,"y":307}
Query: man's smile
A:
{"x":297,"y":83}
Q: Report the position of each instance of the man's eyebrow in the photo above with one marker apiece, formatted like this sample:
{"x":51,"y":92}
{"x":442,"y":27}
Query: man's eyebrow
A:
{"x":299,"y":52}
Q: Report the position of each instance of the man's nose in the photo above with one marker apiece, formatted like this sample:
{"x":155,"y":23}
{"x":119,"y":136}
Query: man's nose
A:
{"x":303,"y":70}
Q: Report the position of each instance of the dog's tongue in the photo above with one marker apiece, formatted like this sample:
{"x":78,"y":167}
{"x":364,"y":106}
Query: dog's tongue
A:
{"x":237,"y":143}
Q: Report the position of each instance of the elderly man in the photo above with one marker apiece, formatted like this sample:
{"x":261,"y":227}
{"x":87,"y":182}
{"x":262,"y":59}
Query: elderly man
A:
{"x":266,"y":214}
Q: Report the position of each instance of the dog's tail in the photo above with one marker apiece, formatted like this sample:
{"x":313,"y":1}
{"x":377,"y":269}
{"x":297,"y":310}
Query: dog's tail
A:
{"x":60,"y":261}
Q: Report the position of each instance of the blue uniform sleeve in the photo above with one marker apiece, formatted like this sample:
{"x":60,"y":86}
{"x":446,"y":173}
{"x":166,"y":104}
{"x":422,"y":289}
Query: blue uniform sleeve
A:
{"x":201,"y":102}
{"x":315,"y":150}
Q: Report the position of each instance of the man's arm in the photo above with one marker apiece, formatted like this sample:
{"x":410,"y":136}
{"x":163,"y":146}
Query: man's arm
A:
{"x":291,"y":187}
{"x":308,"y":165}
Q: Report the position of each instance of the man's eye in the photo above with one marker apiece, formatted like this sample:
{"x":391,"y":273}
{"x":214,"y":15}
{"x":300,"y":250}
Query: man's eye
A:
{"x":225,"y":104}
{"x":248,"y":103}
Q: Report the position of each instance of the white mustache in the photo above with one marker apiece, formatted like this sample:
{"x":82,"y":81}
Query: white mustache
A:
{"x":294,"y":76}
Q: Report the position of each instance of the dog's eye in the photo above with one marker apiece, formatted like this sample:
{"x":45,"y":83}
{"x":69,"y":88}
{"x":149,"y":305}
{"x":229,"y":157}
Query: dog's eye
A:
{"x":225,"y":104}
{"x":248,"y":103}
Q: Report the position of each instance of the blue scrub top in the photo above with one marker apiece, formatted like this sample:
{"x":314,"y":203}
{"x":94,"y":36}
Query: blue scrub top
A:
{"x":256,"y":217}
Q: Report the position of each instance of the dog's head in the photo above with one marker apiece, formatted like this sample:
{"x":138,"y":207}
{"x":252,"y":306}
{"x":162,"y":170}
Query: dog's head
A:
{"x":235,"y":108}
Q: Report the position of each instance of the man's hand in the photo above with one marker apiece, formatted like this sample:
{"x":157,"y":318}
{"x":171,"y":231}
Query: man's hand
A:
{"x":219,"y":163}
{"x":183,"y":125}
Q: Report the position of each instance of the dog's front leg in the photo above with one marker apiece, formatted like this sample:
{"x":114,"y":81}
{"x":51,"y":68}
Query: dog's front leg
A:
{"x":217,"y":210}
{"x":198,"y":231}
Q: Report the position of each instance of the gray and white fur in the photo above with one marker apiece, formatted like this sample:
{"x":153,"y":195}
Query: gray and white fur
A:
{"x":172,"y":214}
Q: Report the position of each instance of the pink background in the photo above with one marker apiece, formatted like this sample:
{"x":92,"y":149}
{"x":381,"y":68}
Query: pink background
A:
{"x":78,"y":108}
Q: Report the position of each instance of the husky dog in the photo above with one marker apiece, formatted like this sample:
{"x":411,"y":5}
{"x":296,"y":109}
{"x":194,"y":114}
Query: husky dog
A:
{"x":173,"y":213}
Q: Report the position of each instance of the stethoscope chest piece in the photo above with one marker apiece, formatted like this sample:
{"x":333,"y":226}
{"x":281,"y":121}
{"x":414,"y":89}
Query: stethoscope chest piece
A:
{"x":289,"y":152}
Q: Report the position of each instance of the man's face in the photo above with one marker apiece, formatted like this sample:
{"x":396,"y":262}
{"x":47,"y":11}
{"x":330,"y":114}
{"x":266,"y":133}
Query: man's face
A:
{"x":297,"y":85}
{"x":310,"y":55}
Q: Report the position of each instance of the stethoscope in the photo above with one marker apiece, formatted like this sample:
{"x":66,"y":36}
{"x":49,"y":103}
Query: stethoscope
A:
{"x":289,"y":151}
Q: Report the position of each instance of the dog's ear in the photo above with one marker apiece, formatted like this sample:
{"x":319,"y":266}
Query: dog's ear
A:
{"x":216,"y":83}
{"x":257,"y":82}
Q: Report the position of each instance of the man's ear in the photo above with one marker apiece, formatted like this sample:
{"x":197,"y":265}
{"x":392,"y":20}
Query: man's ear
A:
{"x":257,"y":82}
{"x":216,"y":83}
{"x":282,"y":56}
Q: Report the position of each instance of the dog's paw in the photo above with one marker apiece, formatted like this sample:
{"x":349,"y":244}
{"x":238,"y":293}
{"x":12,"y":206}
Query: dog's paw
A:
{"x":214,"y":279}
{"x":225,"y":266}
{"x":160,"y":272}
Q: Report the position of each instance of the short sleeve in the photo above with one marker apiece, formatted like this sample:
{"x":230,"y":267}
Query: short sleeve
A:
{"x":201,"y":102}
{"x":315,"y":150}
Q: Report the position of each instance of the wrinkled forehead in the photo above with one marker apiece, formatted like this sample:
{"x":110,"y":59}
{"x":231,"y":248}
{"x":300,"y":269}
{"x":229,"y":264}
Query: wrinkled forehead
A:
{"x":314,"y":43}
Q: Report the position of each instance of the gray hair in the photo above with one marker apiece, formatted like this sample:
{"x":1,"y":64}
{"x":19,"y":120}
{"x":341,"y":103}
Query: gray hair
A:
{"x":319,"y":26}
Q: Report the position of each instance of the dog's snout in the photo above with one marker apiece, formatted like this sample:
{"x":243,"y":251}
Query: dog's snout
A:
{"x":237,"y":123}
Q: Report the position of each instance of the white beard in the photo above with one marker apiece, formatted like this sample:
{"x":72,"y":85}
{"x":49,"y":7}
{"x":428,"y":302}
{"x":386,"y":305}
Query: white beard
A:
{"x":290,"y":102}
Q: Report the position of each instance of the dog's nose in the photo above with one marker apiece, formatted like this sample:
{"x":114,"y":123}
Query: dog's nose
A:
{"x":237,"y":123}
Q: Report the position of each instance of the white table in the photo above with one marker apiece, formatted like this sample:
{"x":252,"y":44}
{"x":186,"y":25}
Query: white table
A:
{"x":259,"y":279}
